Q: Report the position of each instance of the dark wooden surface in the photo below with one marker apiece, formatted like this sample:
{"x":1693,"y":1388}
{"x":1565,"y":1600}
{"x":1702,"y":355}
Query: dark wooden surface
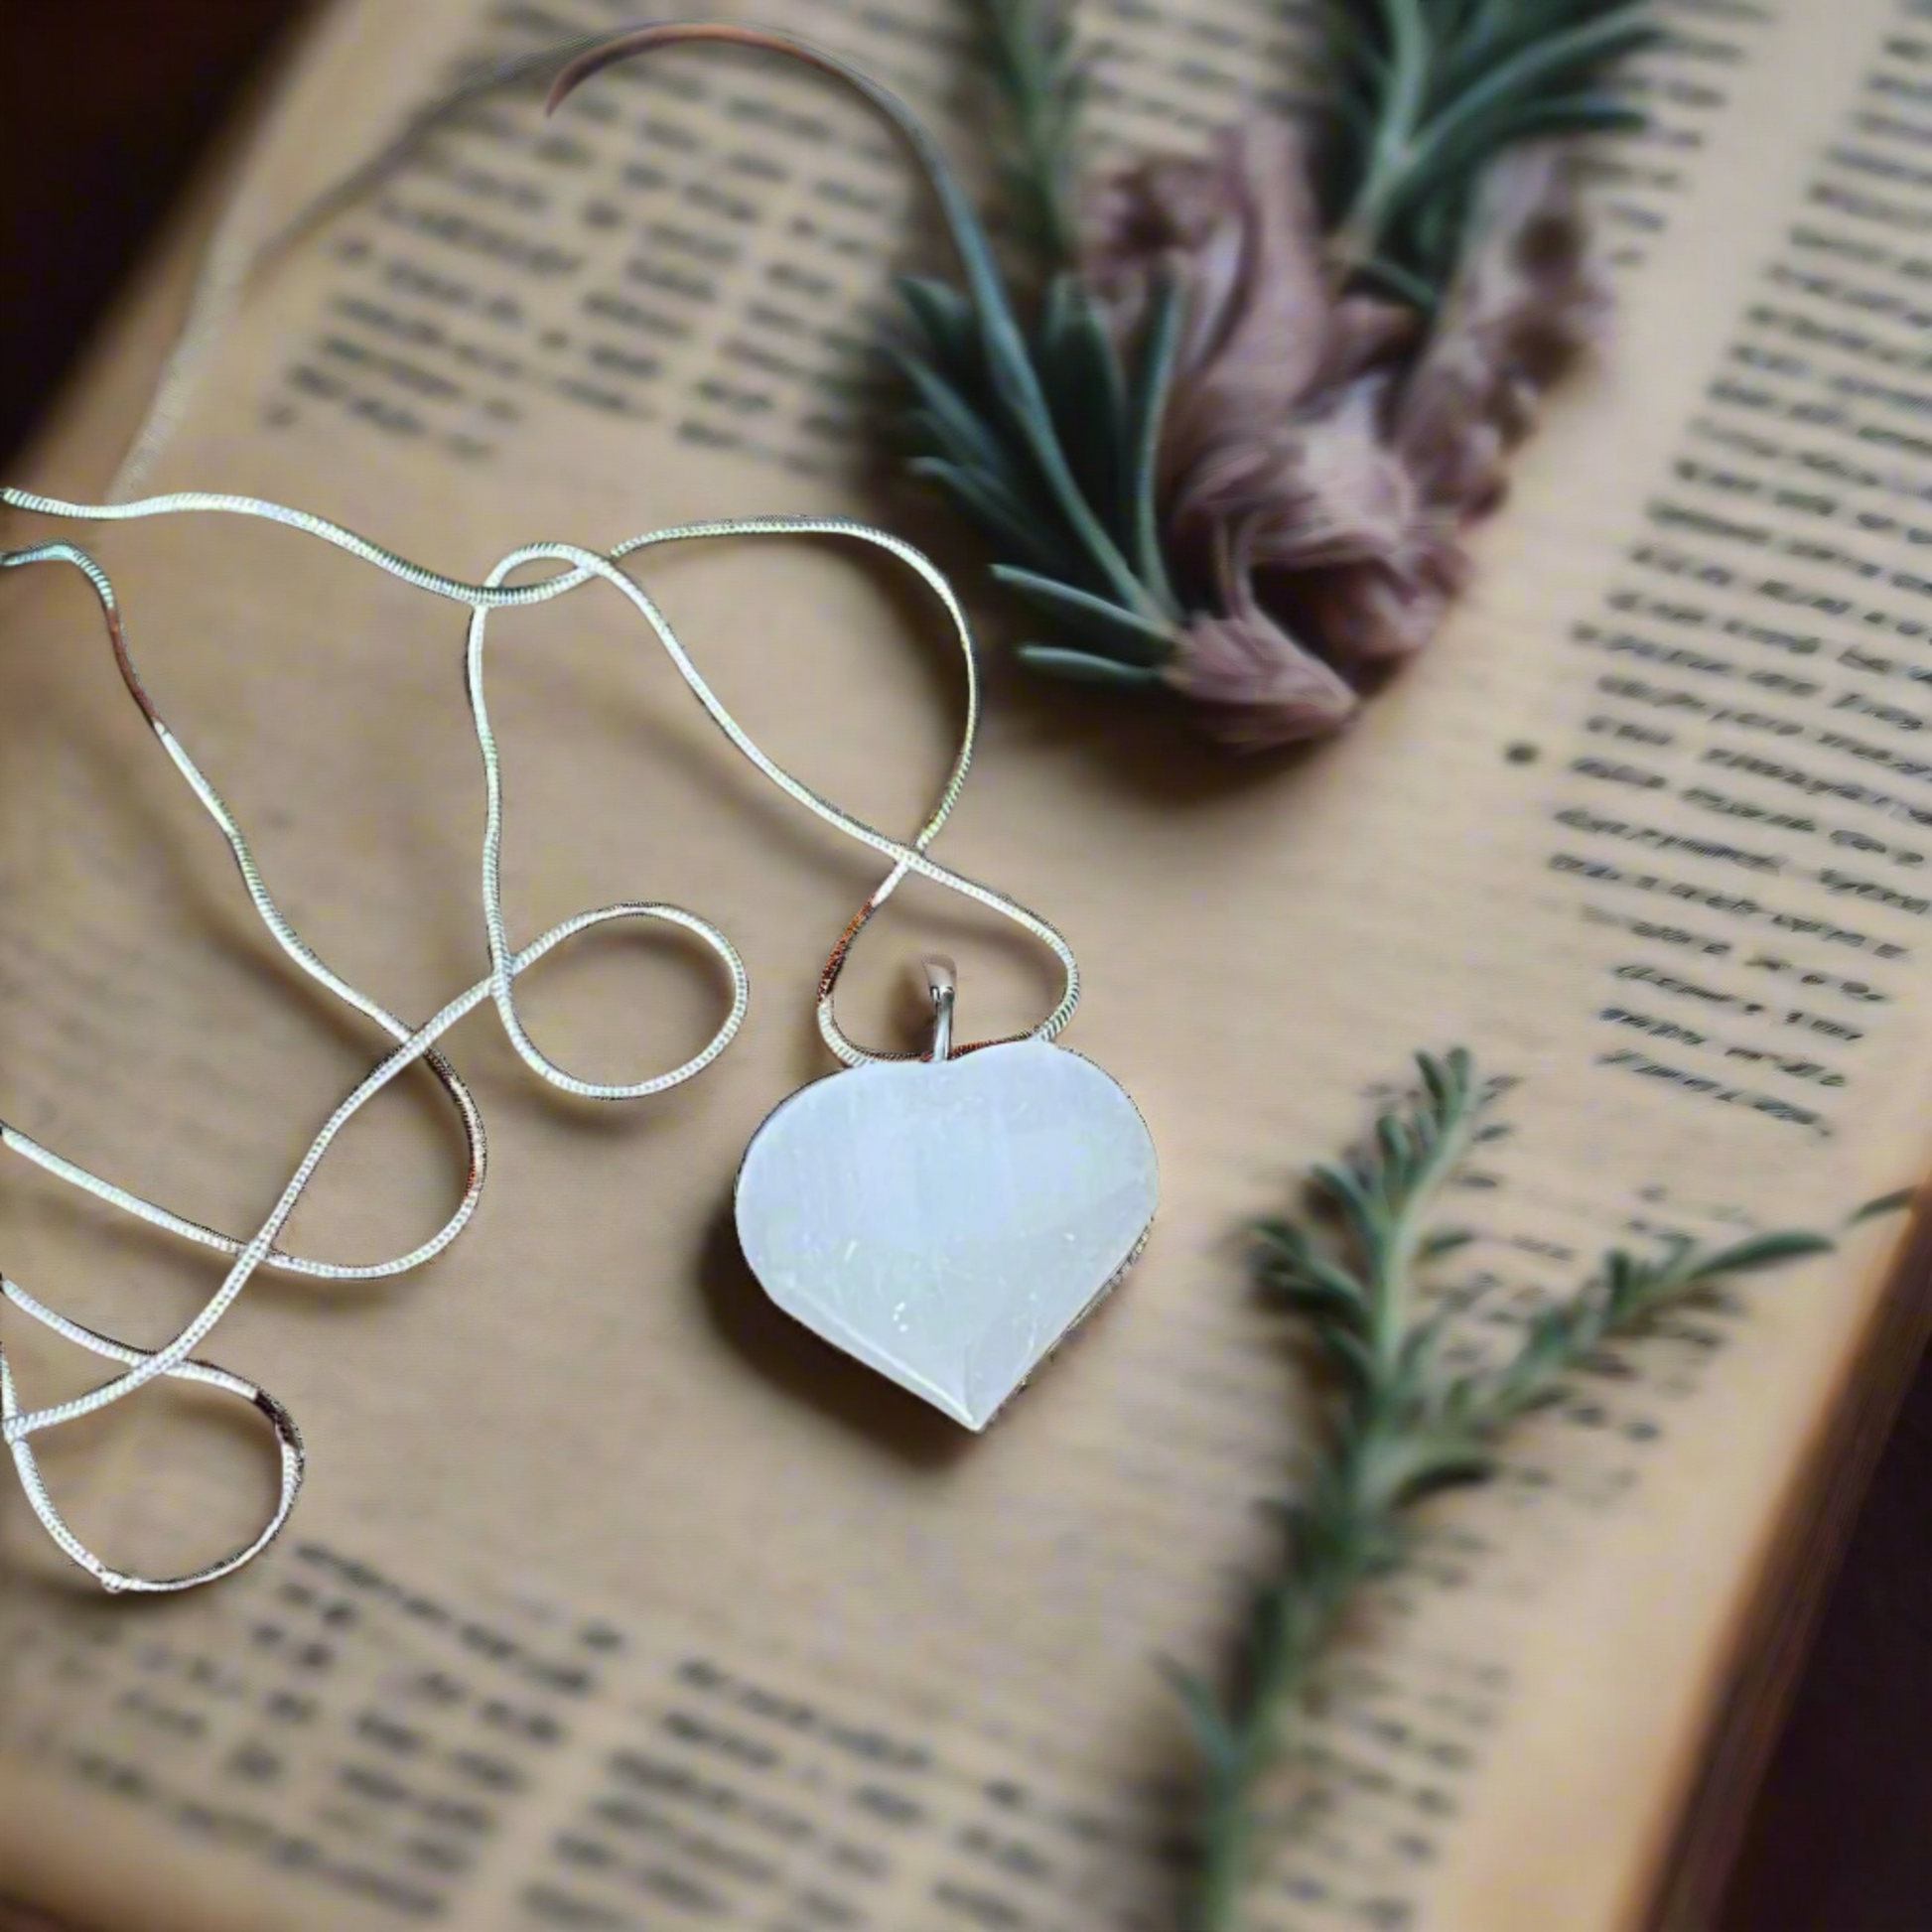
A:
{"x":105,"y":105}
{"x":103,"y":110}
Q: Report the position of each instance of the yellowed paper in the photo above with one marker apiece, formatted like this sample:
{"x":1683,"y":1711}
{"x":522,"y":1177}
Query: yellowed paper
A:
{"x":613,"y":1600}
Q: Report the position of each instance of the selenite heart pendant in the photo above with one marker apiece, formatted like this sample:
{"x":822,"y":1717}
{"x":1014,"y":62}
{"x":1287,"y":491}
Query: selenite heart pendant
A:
{"x":948,"y":1221}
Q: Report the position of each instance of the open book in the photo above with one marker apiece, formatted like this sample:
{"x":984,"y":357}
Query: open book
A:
{"x":614,"y":1601}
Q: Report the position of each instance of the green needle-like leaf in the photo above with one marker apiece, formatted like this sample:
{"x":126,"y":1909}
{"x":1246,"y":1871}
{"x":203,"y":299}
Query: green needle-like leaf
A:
{"x":1108,"y":628}
{"x":1000,"y":518}
{"x":960,"y":431}
{"x":1146,"y":414}
{"x":1082,"y":376}
{"x":1205,"y":1719}
{"x":1425,"y":93}
{"x":1760,"y":1251}
{"x":1083,"y":667}
{"x":1891,"y":1203}
{"x":946,"y":318}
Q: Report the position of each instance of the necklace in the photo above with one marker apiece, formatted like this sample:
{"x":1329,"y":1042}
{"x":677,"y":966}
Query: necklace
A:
{"x":945,"y":1217}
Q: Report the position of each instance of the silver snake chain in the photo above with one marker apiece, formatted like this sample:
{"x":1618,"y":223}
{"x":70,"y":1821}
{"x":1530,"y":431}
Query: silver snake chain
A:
{"x":414,"y":1043}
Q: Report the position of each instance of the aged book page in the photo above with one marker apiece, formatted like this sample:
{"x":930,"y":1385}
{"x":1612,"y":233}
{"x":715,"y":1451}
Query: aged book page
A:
{"x":613,"y":1600}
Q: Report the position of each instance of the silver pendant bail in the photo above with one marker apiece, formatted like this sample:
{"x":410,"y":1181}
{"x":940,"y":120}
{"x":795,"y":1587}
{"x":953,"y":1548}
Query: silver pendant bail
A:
{"x":943,"y":984}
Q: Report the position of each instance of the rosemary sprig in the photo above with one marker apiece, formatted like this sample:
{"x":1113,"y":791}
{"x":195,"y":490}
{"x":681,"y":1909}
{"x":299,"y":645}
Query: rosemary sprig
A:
{"x":1088,"y":560}
{"x":1039,"y":83}
{"x":1428,"y":92}
{"x":1399,"y":1426}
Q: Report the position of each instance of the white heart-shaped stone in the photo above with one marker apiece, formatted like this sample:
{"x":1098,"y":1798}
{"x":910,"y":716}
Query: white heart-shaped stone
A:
{"x":947,"y":1224}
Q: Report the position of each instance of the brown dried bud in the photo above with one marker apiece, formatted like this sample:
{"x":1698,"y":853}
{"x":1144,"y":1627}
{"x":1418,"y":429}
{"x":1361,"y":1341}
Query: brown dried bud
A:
{"x":1323,"y":488}
{"x":1239,"y":232}
{"x":1317,"y":490}
{"x":1258,"y":689}
{"x":1529,"y":297}
{"x":1375,"y":613}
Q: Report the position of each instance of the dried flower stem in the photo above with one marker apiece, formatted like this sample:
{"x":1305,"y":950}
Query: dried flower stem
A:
{"x":1399,"y":1426}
